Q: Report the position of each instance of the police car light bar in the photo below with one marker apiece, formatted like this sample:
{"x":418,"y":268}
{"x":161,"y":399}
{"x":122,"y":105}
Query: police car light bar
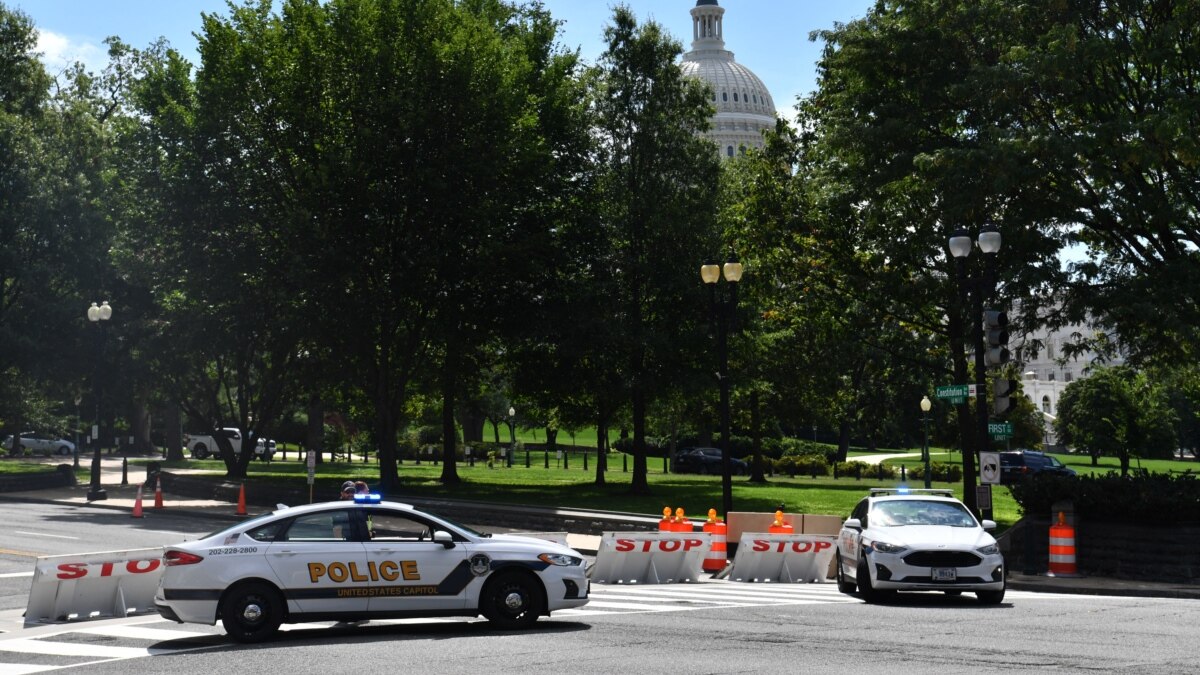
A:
{"x":902,"y":490}
{"x":373,"y":498}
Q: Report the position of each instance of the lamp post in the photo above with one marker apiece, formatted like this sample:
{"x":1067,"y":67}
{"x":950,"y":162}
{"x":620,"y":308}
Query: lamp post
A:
{"x":979,"y":285}
{"x":722,"y":310}
{"x":512,"y":436}
{"x":98,"y":316}
{"x":925,"y":406}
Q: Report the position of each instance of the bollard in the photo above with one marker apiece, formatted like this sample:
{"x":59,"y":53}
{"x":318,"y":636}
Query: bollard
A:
{"x":903,"y":473}
{"x":624,"y":462}
{"x":124,"y":471}
{"x":546,"y":457}
{"x":858,"y":472}
{"x":585,"y":460}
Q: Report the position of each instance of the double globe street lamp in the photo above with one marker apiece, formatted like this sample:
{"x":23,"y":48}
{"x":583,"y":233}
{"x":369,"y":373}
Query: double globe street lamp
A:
{"x":926,"y":405}
{"x":723,"y":310}
{"x":99,"y":316}
{"x":960,"y":247}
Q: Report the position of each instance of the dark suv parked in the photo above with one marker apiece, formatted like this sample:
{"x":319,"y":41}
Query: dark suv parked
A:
{"x":1017,"y":464}
{"x":705,"y":460}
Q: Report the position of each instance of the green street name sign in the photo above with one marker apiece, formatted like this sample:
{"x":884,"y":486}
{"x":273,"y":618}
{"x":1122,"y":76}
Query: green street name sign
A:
{"x":1000,"y":430}
{"x":956,"y":393}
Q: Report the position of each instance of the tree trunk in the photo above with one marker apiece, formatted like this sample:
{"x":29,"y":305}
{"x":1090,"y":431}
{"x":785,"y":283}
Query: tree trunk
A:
{"x":449,"y":434}
{"x":173,"y":430}
{"x":756,"y":473}
{"x":843,"y":440}
{"x":314,"y":433}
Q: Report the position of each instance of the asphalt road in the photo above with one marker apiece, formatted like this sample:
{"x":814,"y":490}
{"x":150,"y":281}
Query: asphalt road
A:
{"x":711,"y":627}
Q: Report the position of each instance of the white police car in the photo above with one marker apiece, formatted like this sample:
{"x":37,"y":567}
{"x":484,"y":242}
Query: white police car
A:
{"x":367,"y":559}
{"x":918,"y":540}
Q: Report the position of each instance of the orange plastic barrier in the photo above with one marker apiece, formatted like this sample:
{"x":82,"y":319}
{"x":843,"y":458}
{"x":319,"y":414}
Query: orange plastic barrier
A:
{"x":779,"y":526}
{"x":664,"y":525}
{"x":1062,"y":549}
{"x":681,"y":523}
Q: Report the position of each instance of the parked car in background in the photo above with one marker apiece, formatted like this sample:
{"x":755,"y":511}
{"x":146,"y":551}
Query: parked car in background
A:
{"x":706,"y":461}
{"x":203,"y":447}
{"x":1016,"y":464}
{"x":40,"y":444}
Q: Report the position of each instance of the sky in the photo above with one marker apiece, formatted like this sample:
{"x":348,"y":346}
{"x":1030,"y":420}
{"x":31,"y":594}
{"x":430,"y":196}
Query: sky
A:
{"x":770,"y":37}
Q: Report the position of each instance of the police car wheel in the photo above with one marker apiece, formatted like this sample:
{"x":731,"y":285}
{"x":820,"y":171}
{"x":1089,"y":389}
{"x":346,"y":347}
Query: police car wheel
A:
{"x":866,"y":590}
{"x":990,"y":597}
{"x":251,"y":612}
{"x":512,"y":600}
{"x":200,"y":452}
{"x":844,"y":585}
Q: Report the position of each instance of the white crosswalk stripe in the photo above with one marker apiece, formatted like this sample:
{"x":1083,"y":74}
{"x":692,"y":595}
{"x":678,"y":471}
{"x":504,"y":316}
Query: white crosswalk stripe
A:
{"x":151,"y":636}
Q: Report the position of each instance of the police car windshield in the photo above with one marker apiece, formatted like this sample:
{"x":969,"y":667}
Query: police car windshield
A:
{"x":920,"y":512}
{"x":469,"y":530}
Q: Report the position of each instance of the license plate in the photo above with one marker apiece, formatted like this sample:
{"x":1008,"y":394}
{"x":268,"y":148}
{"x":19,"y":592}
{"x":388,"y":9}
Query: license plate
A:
{"x":945,"y":574}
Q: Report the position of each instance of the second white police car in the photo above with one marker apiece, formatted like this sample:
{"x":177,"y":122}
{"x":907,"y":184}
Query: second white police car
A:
{"x":367,"y":559}
{"x":918,"y":540}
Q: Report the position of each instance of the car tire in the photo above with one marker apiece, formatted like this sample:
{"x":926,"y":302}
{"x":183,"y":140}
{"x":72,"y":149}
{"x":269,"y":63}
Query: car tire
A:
{"x":251,"y":612}
{"x":200,"y":452}
{"x":991,"y":597}
{"x":512,"y":600}
{"x":63,"y":450}
{"x":844,"y":585}
{"x":866,"y":590}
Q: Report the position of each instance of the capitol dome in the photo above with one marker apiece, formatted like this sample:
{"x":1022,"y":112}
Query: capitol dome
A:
{"x":744,"y":106}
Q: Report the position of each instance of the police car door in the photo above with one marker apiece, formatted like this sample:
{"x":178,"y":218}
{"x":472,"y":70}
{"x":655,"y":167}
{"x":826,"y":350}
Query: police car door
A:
{"x":410,"y":571}
{"x":321,"y":563}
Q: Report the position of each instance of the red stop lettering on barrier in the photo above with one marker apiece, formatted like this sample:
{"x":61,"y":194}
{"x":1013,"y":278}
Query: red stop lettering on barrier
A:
{"x":69,"y":571}
{"x":666,"y":545}
{"x":760,"y":546}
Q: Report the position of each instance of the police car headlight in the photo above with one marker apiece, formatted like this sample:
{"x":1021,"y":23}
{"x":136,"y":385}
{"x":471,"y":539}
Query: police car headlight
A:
{"x":990,"y":549}
{"x":884,"y":547}
{"x":560,"y":559}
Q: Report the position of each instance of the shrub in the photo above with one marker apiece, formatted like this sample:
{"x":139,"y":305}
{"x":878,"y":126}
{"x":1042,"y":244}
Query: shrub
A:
{"x":803,"y":465}
{"x":940,"y":471}
{"x":1141,"y":498}
{"x":869,"y":471}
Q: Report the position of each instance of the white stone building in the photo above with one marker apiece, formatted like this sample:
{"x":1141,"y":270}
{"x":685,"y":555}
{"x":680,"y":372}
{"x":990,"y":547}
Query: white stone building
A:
{"x":744,"y":106}
{"x":1045,"y":376}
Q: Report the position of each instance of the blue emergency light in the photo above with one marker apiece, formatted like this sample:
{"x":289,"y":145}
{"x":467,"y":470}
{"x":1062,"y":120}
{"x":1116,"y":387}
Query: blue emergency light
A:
{"x":373,"y":498}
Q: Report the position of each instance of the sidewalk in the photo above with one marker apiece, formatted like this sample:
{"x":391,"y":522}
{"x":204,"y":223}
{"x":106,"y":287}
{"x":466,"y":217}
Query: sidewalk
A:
{"x":123,"y":497}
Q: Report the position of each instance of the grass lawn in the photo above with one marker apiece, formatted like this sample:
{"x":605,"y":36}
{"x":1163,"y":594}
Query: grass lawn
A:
{"x":576,"y":488}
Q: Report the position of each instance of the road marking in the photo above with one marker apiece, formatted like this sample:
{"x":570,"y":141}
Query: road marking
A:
{"x":13,"y":575}
{"x":43,"y":534}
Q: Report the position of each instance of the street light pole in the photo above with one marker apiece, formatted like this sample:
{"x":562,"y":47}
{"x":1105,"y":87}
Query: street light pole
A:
{"x":723,"y":311}
{"x":97,"y":315}
{"x":512,"y":436}
{"x":925,"y":406}
{"x":979,"y":286}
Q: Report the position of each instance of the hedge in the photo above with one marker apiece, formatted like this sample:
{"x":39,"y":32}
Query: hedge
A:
{"x":1140,"y":498}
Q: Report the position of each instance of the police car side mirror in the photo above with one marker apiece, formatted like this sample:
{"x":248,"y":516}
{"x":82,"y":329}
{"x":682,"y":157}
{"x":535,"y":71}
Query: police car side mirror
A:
{"x":853,"y":524}
{"x":989,"y":524}
{"x":443,"y":537}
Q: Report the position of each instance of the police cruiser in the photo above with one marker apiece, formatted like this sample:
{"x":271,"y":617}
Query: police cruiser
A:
{"x":366,"y":559}
{"x":917,"y":540}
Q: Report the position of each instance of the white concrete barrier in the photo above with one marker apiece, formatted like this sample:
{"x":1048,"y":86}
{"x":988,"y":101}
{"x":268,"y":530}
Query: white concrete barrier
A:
{"x":650,"y":557}
{"x":87,"y":586}
{"x":783,"y":558}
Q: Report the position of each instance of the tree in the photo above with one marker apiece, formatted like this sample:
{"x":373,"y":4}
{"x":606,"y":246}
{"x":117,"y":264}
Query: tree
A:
{"x":657,"y":186}
{"x":1116,"y":412}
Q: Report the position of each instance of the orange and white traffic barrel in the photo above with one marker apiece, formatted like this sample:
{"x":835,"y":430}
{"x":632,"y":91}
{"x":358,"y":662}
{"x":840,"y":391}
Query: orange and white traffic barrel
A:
{"x":716,"y":559}
{"x":682,"y":524}
{"x":779,"y":526}
{"x":1062,"y":549}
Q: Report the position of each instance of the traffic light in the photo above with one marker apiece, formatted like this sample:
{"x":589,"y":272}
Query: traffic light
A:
{"x":1003,"y":391}
{"x":995,"y":330}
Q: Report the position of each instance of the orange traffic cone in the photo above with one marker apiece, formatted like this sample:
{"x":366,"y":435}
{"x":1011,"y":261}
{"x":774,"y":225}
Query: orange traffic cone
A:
{"x":241,"y":509}
{"x":137,"y":504}
{"x":158,"y":504}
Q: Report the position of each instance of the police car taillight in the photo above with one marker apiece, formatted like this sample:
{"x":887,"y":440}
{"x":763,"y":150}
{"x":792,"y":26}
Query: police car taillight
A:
{"x":173,"y":558}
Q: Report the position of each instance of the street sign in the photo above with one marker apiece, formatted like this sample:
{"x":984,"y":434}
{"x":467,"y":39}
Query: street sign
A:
{"x":1000,"y":430}
{"x":311,"y":461}
{"x":989,"y":468}
{"x":955,"y":393}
